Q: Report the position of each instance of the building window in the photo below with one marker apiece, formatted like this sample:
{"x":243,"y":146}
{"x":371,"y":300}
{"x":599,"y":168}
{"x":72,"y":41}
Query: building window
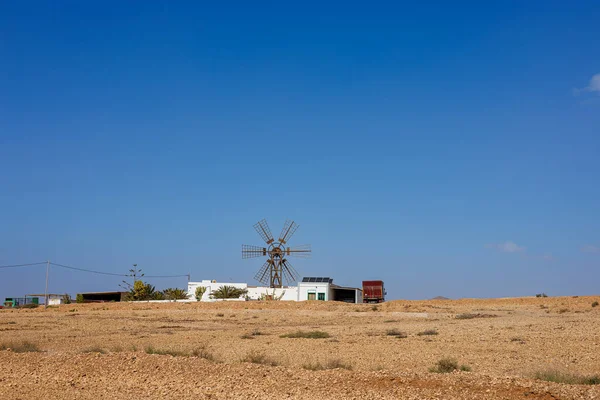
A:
{"x":322,"y":296}
{"x":311,"y":296}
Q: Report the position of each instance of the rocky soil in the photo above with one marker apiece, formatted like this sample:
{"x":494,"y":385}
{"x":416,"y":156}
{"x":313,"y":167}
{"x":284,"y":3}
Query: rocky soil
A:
{"x":235,"y":350}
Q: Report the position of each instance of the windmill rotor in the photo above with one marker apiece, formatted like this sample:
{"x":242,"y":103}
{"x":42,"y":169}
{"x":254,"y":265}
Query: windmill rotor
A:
{"x":262,"y":228}
{"x":277,"y":268}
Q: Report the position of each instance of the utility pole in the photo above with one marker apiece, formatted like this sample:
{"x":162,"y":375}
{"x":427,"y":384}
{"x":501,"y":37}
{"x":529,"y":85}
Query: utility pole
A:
{"x":46,"y":292}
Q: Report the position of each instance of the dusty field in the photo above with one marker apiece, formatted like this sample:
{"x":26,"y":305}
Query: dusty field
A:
{"x":100,"y":351}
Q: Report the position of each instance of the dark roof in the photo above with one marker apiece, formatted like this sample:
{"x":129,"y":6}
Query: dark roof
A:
{"x":317,"y":279}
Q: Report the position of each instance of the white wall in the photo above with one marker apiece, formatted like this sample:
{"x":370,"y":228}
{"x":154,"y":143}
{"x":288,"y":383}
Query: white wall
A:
{"x":289,"y":293}
{"x":304,"y":288}
{"x":210,"y":287}
{"x":54,"y":300}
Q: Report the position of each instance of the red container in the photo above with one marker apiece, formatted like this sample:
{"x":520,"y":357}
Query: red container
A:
{"x":373,"y":292}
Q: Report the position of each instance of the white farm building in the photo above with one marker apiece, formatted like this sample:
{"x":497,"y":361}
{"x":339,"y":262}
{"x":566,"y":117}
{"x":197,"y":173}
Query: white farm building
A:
{"x":311,"y":288}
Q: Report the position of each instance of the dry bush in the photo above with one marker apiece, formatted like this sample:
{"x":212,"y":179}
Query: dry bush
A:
{"x":306,"y":335}
{"x":258,"y":357}
{"x":472,"y":316}
{"x":330,"y":364}
{"x":595,"y":304}
{"x":428,"y":332}
{"x":94,"y":349}
{"x":20,"y":347}
{"x":397,"y":333}
{"x":447,"y":365}
{"x":568,"y":378}
{"x":164,"y":352}
{"x":203,"y":352}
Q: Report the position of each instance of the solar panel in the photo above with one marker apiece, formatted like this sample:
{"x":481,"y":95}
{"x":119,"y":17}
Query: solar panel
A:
{"x":317,"y":279}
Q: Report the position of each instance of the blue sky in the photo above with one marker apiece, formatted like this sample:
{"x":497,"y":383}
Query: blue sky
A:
{"x":448,"y":149}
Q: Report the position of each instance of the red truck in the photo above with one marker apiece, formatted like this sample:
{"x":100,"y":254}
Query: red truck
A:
{"x":373,"y":292}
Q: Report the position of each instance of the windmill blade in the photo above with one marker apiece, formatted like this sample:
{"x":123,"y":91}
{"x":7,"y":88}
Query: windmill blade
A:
{"x":289,"y":228}
{"x":263,"y":230}
{"x":289,"y":273}
{"x":263,"y":275}
{"x":249,"y":251}
{"x":302,"y":250}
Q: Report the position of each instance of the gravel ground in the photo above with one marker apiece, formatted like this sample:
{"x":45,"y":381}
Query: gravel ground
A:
{"x":102,"y":350}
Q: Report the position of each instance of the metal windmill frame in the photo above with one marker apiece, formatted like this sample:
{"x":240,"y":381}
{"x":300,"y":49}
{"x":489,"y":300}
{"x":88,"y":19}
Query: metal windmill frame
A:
{"x":277,"y":268}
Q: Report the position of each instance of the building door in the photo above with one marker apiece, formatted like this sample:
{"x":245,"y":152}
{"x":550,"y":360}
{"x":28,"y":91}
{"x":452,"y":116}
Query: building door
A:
{"x":312,"y":296}
{"x":322,"y":296}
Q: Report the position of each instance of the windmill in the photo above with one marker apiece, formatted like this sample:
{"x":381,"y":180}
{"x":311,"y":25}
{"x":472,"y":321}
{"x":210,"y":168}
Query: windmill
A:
{"x":277,"y":268}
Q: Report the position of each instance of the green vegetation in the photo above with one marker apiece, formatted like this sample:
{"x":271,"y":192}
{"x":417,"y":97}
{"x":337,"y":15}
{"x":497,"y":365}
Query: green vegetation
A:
{"x":79,"y":298}
{"x":228,"y":292}
{"x":428,"y":332}
{"x":143,"y":291}
{"x":447,"y":365}
{"x":200,"y":290}
{"x":66,"y":299}
{"x":20,"y":347}
{"x":564,"y":377}
{"x":306,"y":335}
{"x":175,"y":294}
{"x":595,"y":304}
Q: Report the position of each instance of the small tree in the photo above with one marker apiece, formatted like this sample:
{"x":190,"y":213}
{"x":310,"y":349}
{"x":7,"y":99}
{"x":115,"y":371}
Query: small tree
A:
{"x":175,"y":294}
{"x":200,"y":290}
{"x":79,"y":298}
{"x":143,"y":291}
{"x":66,"y":299}
{"x":228,"y":292}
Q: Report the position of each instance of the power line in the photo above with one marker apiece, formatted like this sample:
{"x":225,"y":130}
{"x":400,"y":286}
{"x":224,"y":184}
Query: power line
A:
{"x":113,"y":274}
{"x":89,"y":270}
{"x":22,"y":265}
{"x":86,"y":270}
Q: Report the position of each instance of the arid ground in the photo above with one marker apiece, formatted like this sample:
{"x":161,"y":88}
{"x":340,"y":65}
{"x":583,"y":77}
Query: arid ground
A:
{"x":234,"y":350}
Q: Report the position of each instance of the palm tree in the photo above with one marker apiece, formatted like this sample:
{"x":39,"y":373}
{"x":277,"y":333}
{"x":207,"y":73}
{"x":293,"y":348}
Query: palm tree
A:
{"x":175,"y":294}
{"x":228,"y":292}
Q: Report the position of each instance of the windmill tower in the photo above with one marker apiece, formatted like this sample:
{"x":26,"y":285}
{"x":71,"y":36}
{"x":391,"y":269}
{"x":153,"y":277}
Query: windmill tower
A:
{"x":277,"y":268}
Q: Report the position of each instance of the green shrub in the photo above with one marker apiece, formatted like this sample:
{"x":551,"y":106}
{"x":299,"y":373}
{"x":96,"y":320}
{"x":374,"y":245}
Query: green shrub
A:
{"x":306,"y":335}
{"x":200,"y":290}
{"x":79,"y":298}
{"x":66,"y":299}
{"x":228,"y":292}
{"x":175,"y":294}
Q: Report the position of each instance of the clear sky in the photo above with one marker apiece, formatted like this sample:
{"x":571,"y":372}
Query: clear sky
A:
{"x":448,"y":148}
